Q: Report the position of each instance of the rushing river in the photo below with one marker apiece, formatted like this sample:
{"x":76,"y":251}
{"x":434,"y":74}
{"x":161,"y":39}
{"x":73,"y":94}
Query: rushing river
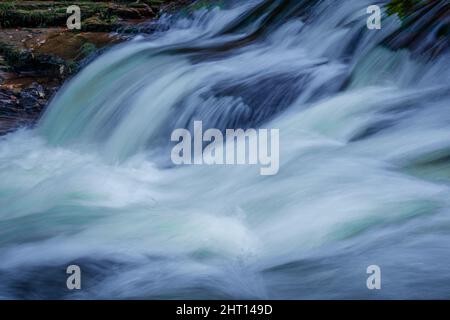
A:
{"x":363,"y":180}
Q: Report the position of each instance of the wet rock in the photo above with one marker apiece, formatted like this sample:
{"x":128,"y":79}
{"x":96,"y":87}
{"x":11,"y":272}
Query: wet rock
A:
{"x":38,"y":53}
{"x":49,"y":13}
{"x":22,"y":108}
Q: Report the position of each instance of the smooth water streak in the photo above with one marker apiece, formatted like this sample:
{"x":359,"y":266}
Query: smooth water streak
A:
{"x":363,"y":179}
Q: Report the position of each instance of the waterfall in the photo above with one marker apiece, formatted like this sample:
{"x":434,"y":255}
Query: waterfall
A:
{"x":364,"y":164}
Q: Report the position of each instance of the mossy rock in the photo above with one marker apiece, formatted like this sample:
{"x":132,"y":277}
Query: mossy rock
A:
{"x":26,"y":60}
{"x":49,"y":13}
{"x":100,"y":25}
{"x":402,"y":8}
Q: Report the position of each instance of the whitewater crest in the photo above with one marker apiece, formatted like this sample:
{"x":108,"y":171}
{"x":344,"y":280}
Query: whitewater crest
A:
{"x":363,"y":173}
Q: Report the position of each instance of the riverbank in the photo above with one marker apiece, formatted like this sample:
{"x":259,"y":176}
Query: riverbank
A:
{"x":38,"y":53}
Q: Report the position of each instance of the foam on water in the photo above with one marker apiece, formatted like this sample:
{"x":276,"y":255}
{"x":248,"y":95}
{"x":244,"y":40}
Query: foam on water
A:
{"x":363,"y":175}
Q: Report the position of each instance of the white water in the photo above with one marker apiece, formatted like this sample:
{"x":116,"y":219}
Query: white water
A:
{"x":93,"y":184}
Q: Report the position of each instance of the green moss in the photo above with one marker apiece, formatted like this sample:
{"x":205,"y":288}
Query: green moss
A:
{"x":12,"y":56}
{"x":99,"y":24}
{"x":402,"y":8}
{"x":43,"y":14}
{"x":35,"y":18}
{"x":87,"y":49}
{"x":6,"y":6}
{"x":24,"y":60}
{"x":72,"y":67}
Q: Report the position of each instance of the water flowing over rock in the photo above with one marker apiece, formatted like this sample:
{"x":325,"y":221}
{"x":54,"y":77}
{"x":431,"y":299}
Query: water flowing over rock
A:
{"x":364,"y":162}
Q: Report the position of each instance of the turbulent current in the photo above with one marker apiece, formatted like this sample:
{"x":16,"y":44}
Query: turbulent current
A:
{"x":364,"y":173}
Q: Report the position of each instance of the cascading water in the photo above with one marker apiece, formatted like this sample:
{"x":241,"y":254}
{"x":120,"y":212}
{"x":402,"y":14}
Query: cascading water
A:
{"x":364,"y":170}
